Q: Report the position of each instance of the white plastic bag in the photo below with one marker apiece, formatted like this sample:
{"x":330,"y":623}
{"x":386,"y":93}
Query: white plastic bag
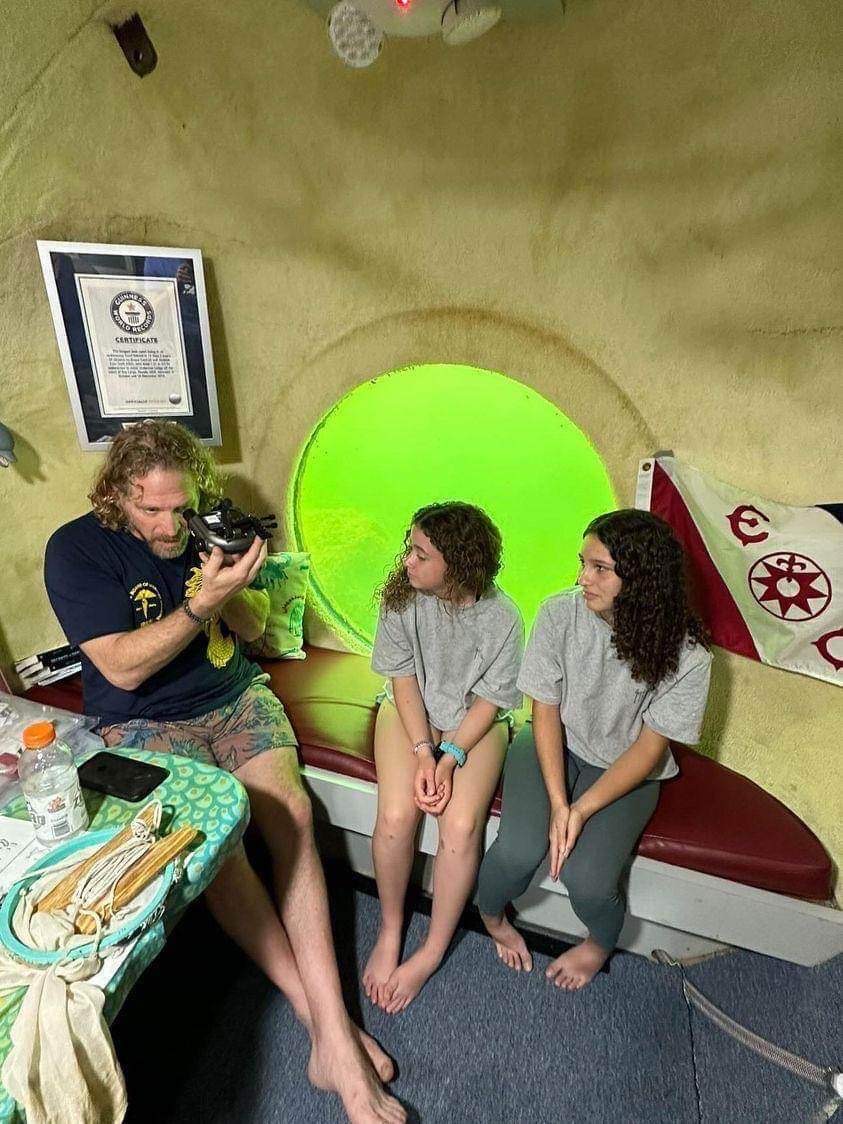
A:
{"x":17,"y":713}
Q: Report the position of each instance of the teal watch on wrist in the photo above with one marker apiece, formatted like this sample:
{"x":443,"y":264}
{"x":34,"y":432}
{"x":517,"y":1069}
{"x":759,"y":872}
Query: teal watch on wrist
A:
{"x":455,"y":752}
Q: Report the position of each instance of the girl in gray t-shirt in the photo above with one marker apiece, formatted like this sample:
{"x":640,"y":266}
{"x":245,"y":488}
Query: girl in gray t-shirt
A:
{"x":616,"y":668}
{"x":450,"y":643}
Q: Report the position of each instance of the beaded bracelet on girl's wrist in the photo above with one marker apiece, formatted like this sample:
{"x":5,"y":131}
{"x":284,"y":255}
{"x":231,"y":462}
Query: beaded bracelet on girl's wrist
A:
{"x":455,"y":752}
{"x":423,"y":745}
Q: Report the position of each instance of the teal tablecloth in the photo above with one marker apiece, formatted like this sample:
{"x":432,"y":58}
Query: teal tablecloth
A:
{"x":199,"y":795}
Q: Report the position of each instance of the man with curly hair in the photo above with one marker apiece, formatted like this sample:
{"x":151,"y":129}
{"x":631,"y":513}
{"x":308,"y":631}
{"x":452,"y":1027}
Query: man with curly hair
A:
{"x":162,"y":668}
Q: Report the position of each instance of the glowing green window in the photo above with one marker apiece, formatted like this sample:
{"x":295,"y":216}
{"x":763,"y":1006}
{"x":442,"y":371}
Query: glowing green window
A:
{"x":431,"y":433}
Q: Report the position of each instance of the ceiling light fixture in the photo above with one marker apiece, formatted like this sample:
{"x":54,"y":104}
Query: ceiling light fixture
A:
{"x":464,"y":20}
{"x":353,"y":35}
{"x":358,"y":29}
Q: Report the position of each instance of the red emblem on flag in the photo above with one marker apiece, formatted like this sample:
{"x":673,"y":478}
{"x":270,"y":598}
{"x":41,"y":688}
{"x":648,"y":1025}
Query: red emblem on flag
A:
{"x":744,"y":516}
{"x":822,"y":646}
{"x":790,"y":586}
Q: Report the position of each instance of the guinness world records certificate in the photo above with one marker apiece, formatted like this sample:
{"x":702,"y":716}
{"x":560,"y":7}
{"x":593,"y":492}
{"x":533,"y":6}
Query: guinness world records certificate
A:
{"x":133,"y":335}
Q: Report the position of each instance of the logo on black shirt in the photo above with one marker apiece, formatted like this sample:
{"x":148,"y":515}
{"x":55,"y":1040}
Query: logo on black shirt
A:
{"x":146,"y":603}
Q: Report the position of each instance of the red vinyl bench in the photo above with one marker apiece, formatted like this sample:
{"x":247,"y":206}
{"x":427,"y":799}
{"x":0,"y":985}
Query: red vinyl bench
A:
{"x":709,"y":818}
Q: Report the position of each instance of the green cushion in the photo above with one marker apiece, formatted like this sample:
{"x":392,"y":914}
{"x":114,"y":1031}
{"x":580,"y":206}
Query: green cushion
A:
{"x":285,"y":578}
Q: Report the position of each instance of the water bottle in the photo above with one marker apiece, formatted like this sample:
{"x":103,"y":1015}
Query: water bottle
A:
{"x":50,"y":785}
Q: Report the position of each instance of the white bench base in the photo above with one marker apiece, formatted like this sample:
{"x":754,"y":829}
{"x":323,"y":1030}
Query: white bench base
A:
{"x":688,"y":914}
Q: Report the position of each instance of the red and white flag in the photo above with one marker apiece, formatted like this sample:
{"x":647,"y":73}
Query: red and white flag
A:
{"x":768,"y":577}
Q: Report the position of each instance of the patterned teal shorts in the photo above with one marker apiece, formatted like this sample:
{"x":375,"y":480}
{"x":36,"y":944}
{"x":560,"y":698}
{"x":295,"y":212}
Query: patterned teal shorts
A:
{"x":228,"y":737}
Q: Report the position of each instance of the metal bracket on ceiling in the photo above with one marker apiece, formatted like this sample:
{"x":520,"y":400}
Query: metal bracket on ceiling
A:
{"x":136,"y":45}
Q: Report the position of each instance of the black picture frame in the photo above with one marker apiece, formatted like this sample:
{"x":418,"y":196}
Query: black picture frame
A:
{"x":110,"y":305}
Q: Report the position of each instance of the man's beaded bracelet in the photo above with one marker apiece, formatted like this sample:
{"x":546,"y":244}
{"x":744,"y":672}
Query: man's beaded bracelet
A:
{"x":421,"y":745}
{"x":190,"y":613}
{"x":455,"y":752}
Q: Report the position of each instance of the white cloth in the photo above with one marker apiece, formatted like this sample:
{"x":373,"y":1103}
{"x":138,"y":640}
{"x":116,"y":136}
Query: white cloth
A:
{"x":62,"y":1066}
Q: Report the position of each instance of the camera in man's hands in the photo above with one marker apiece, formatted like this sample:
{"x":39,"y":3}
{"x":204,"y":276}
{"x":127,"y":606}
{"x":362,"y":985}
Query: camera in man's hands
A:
{"x":227,"y":527}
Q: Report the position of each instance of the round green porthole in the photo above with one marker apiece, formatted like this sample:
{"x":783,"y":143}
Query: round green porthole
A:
{"x":440,"y":432}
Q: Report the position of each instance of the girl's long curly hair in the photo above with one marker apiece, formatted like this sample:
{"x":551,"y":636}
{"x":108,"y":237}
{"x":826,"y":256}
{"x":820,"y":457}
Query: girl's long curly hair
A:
{"x":467,"y":539}
{"x":135,"y":451}
{"x":651,"y":615}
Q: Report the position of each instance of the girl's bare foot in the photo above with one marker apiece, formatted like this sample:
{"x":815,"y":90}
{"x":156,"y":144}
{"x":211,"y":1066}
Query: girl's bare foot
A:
{"x":578,"y":966}
{"x":345,"y":1069}
{"x":407,"y":980}
{"x":382,"y":962}
{"x":510,"y":945}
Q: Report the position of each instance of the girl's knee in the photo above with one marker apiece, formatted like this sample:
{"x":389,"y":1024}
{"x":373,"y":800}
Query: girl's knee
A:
{"x":516,"y":861}
{"x":396,"y":821}
{"x":460,"y":833}
{"x":589,"y":892}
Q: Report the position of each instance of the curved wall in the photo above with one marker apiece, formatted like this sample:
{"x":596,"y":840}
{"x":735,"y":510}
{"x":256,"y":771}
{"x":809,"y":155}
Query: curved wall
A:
{"x":637,"y":213}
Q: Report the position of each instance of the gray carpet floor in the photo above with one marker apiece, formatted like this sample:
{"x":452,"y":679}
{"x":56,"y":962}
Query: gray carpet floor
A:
{"x":205,"y":1038}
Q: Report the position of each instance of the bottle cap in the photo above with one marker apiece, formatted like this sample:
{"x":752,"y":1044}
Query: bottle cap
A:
{"x":38,"y":735}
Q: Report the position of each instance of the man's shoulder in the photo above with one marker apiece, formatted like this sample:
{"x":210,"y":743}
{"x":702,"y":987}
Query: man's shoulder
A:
{"x":84,"y":529}
{"x":82,"y":539}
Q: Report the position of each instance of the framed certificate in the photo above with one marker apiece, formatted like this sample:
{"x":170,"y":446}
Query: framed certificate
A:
{"x":132,"y":329}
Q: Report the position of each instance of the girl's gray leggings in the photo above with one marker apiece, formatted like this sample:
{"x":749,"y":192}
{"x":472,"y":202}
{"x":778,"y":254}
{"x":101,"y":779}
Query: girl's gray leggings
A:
{"x":592,"y":871}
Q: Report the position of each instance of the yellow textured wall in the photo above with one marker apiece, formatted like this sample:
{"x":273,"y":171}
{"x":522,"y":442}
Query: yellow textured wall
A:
{"x":638,"y":212}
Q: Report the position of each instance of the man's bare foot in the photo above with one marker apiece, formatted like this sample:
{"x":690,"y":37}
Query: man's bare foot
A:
{"x":382,"y":1062}
{"x":382,"y":962}
{"x":347,"y":1071}
{"x":380,"y":1059}
{"x":407,"y":980}
{"x":511,"y":946}
{"x":578,"y":966}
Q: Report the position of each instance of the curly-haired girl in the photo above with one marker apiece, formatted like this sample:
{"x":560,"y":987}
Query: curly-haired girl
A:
{"x":450,"y":642}
{"x":615,"y":667}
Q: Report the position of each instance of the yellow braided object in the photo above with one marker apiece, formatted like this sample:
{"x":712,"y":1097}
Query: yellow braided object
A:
{"x":220,"y":648}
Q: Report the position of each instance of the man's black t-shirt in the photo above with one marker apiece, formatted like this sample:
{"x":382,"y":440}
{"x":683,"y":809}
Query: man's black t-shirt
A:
{"x":100,"y":582}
